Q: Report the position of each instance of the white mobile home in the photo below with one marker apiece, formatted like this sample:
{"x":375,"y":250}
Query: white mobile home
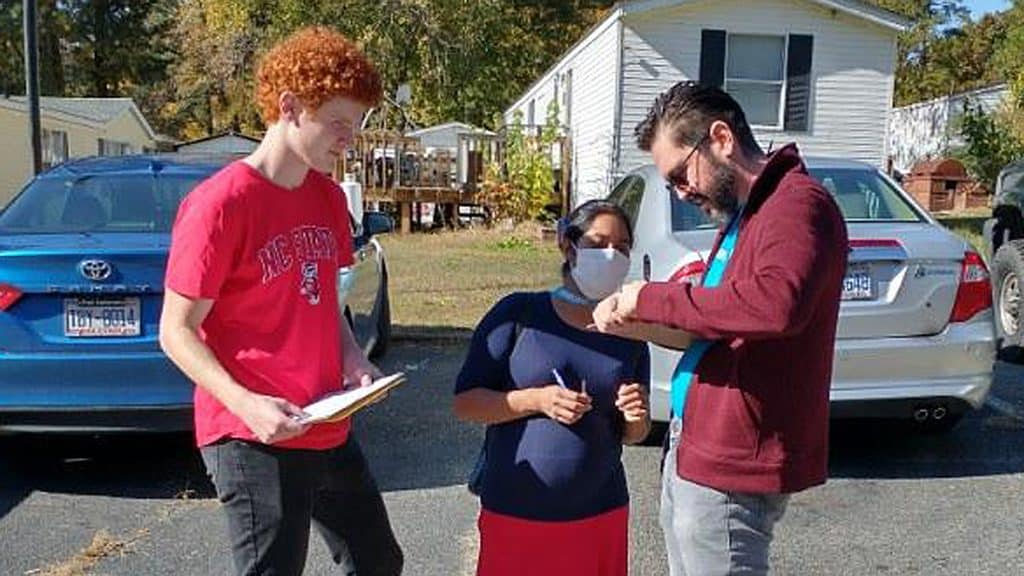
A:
{"x":817,"y":72}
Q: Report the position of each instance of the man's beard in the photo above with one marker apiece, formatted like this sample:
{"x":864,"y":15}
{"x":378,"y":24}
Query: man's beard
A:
{"x":719,"y":199}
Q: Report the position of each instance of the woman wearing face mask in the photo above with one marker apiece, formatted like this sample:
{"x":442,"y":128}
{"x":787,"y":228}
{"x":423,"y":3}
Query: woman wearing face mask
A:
{"x":559,"y":401}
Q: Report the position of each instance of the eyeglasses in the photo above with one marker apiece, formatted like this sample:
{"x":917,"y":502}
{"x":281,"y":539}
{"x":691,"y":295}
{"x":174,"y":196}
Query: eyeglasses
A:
{"x":677,"y":177}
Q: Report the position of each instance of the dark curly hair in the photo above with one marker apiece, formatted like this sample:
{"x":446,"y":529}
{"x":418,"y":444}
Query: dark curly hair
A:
{"x":688,"y":109}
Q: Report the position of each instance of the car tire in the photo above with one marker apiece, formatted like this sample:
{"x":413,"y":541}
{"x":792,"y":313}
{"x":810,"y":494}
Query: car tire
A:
{"x":1008,"y":282}
{"x":380,"y":345}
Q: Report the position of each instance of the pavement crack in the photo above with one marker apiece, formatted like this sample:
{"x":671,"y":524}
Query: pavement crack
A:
{"x":103,"y":546}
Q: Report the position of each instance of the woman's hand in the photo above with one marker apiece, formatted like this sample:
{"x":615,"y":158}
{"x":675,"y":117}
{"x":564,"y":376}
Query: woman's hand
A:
{"x":561,"y":404}
{"x":631,"y":400}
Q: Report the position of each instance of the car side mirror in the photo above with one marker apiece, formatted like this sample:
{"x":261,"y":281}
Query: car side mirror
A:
{"x":354,"y":196}
{"x":375,"y":223}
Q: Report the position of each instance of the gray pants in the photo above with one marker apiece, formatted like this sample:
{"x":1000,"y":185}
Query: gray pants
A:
{"x":713,"y":533}
{"x":272,"y":495}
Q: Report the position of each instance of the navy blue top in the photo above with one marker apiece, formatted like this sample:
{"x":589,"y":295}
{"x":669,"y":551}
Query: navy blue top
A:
{"x":537,"y":468}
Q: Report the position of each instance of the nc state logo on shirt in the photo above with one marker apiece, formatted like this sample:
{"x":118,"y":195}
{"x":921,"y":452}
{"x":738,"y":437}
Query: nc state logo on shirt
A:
{"x":310,"y":287}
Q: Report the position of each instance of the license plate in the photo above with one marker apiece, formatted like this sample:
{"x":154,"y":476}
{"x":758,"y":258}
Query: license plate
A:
{"x":857,"y":284}
{"x":85,"y":317}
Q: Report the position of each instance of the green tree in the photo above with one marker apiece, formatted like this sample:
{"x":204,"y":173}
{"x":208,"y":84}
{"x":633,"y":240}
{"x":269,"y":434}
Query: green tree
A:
{"x":217,"y":43}
{"x":990,"y":142}
{"x":921,"y":71}
{"x":464,"y":59}
{"x":53,"y":25}
{"x":522,"y":188}
{"x":114,"y":45}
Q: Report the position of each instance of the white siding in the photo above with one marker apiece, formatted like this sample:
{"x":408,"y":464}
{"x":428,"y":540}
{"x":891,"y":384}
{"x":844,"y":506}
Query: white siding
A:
{"x":927,"y":130}
{"x":540,"y":94}
{"x":595,"y":82}
{"x":593,"y":101}
{"x":446,"y":137}
{"x":852,"y":70}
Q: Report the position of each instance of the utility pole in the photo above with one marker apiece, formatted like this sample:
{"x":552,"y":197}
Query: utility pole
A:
{"x":32,"y":83}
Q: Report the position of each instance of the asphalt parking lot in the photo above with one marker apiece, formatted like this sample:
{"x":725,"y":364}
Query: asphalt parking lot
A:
{"x":898,"y":502}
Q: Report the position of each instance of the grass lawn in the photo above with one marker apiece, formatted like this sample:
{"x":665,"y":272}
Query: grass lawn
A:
{"x":450,"y":279}
{"x":968,"y":226}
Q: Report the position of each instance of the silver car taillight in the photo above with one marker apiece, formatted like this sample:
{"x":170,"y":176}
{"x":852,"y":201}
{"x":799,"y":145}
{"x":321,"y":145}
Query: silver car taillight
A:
{"x":974,"y":293}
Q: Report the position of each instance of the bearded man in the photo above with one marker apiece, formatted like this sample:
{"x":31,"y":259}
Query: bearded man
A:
{"x":750,"y":395}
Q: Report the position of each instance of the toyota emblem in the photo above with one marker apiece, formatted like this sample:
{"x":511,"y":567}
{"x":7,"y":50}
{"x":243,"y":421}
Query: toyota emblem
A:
{"x":95,"y":270}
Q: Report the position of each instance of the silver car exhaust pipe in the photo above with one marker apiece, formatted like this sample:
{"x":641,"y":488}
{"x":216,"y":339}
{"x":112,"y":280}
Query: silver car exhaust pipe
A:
{"x":924,"y":413}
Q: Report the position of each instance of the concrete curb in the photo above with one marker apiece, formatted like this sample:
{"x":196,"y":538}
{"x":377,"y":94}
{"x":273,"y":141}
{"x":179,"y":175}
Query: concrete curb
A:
{"x":427,"y":334}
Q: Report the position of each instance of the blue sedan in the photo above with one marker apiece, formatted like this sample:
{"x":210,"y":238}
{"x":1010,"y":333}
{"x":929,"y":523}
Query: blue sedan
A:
{"x":82,"y":255}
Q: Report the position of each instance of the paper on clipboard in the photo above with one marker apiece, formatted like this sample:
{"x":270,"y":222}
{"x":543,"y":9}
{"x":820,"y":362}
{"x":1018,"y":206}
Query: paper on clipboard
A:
{"x":341,"y":405}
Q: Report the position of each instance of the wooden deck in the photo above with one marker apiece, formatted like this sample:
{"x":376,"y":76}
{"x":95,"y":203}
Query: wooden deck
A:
{"x":398,"y":170}
{"x":419,"y":194}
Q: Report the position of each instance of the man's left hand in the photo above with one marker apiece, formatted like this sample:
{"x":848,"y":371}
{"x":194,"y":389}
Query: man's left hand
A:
{"x":617,"y":309}
{"x":629,"y":297}
{"x":359,"y":371}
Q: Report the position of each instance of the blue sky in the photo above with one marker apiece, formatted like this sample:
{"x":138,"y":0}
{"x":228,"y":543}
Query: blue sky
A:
{"x":979,"y":7}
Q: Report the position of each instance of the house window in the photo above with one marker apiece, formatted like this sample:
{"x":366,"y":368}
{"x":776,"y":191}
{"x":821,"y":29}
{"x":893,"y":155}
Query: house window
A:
{"x":114,"y":148}
{"x":531,"y":110}
{"x":770,"y":76}
{"x":55,"y":147}
{"x":755,"y":75}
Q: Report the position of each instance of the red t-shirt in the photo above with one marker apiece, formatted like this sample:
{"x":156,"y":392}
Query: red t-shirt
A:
{"x":269,"y":258}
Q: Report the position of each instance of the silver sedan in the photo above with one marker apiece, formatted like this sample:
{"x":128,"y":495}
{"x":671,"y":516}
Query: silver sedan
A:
{"x":916,"y":333}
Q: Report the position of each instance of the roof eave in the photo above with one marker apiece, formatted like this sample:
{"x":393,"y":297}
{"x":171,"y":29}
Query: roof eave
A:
{"x":614,"y":13}
{"x":861,"y":10}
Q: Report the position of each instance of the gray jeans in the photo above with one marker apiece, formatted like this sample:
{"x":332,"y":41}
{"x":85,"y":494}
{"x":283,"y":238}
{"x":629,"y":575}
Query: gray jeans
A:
{"x":709,"y":532}
{"x":272,"y":495}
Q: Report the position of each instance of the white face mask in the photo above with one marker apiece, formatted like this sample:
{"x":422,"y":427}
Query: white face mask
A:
{"x":599,"y":272}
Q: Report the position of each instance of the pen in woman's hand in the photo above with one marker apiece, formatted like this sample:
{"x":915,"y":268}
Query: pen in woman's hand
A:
{"x":558,"y":378}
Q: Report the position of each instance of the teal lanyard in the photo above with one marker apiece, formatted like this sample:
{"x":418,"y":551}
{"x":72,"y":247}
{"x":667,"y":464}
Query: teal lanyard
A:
{"x":683,"y":374}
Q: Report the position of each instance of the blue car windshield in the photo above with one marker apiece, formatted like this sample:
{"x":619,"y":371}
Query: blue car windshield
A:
{"x":99,"y":203}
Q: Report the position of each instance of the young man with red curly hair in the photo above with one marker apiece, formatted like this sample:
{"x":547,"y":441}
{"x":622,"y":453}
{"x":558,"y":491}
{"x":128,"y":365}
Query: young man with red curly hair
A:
{"x":251,"y":316}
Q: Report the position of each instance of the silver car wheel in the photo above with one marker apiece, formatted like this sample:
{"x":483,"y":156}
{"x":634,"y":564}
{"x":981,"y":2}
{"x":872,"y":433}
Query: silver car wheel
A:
{"x":1009,"y":304}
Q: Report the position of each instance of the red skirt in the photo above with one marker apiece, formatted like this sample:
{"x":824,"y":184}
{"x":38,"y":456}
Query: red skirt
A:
{"x":595,"y":546}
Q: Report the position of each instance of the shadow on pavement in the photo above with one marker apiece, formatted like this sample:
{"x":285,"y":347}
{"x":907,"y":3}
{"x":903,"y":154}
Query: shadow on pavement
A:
{"x":135,"y":466}
{"x":412,"y":440}
{"x":984,"y":443}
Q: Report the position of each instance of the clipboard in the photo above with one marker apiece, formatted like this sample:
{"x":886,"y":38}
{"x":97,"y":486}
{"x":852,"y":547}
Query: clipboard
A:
{"x":341,"y":405}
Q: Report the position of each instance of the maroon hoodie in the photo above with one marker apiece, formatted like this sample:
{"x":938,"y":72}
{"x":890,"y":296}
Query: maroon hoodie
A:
{"x":757,"y":410}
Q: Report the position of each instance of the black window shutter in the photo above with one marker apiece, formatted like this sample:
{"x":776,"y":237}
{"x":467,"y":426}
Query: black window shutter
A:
{"x":712,"y":57}
{"x":798,"y":83}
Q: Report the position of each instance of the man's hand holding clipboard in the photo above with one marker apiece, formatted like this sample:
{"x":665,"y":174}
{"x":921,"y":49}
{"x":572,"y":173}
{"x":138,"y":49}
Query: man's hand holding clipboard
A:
{"x":343,"y":404}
